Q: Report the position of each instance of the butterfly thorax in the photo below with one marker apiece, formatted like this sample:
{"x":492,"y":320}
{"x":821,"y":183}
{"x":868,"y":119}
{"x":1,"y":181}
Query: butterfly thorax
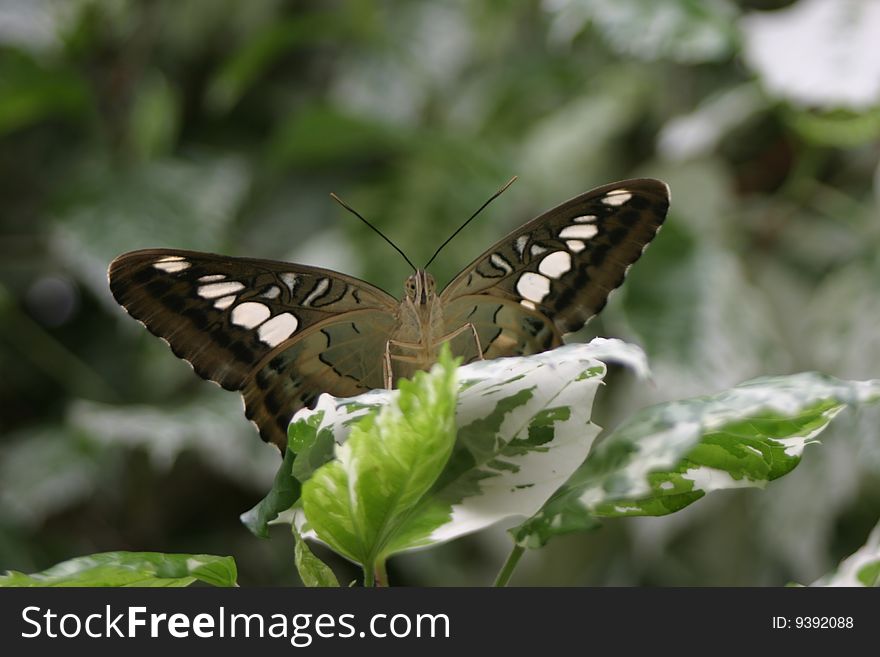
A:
{"x":414,"y":343}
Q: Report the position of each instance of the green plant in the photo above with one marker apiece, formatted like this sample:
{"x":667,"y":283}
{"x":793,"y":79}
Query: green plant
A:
{"x":456,"y":450}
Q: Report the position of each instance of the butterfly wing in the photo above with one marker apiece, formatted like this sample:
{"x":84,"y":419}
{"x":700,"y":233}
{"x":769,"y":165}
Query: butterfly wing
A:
{"x":280,"y":333}
{"x":342,"y":356}
{"x":551,"y":275}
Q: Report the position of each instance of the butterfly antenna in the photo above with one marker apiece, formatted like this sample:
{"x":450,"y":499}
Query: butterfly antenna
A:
{"x":472,"y":217}
{"x":379,"y":232}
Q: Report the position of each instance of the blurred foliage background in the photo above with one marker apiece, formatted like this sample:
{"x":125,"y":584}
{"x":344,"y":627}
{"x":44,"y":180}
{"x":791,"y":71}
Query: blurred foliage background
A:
{"x":222,"y":126}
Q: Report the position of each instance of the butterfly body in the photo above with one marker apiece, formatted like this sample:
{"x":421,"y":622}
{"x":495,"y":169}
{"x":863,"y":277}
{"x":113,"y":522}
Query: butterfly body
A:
{"x":282,"y":333}
{"x":415,"y":340}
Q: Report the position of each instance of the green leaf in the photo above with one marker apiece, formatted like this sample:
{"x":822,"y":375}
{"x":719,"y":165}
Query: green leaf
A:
{"x":284,"y":493}
{"x":670,"y":455}
{"x":314,"y":446}
{"x":132,"y":569}
{"x":862,"y":568}
{"x":359,"y":502}
{"x":312,"y":571}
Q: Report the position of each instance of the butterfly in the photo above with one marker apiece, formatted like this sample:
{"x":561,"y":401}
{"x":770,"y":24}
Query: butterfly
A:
{"x":282,"y":333}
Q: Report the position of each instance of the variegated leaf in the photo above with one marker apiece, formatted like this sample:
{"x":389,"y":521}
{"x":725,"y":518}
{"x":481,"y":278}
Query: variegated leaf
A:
{"x":523,"y":428}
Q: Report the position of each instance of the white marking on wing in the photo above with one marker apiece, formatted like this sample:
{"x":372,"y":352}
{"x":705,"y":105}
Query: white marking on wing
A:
{"x":224,"y":302}
{"x":528,"y":304}
{"x":289,"y":279}
{"x":533,"y":287}
{"x":555,"y":264}
{"x":278,"y":329}
{"x":585,"y":219}
{"x":319,"y":289}
{"x":272,"y":292}
{"x":502,"y":264}
{"x":617,"y":198}
{"x":584,"y":232}
{"x":576,"y":246}
{"x":171,"y":259}
{"x":211,"y":278}
{"x":520,"y":245}
{"x":214,"y":290}
{"x":537,"y":249}
{"x":250,"y":314}
{"x":172,"y":266}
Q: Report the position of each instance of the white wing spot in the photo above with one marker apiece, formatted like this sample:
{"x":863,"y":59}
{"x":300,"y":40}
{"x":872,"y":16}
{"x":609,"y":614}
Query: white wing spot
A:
{"x":278,"y":329}
{"x":617,"y":198}
{"x":584,"y":232}
{"x":528,"y":304}
{"x":172,"y":266}
{"x":211,"y":278}
{"x":502,"y":264}
{"x":250,"y":314}
{"x":214,"y":290}
{"x":272,"y":292}
{"x":171,"y":259}
{"x":555,"y":264}
{"x":533,"y":287}
{"x":319,"y":290}
{"x":585,"y":219}
{"x":537,"y":249}
{"x":576,"y":246}
{"x":289,"y":279}
{"x":224,"y":302}
{"x":520,"y":244}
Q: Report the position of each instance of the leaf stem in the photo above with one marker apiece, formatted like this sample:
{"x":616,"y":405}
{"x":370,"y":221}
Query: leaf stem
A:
{"x":381,"y":574}
{"x":509,"y":565}
{"x":369,"y":578}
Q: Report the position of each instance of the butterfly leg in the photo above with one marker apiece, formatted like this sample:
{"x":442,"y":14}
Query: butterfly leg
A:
{"x":465,"y":327}
{"x":419,"y":361}
{"x":386,"y":365}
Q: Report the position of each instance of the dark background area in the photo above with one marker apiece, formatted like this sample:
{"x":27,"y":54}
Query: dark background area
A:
{"x":223,"y":126}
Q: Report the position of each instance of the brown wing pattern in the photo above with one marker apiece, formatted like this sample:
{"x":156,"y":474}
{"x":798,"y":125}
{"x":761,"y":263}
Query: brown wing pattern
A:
{"x":342,"y":356}
{"x":504,"y":327}
{"x":564,"y":264}
{"x":231,"y":317}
